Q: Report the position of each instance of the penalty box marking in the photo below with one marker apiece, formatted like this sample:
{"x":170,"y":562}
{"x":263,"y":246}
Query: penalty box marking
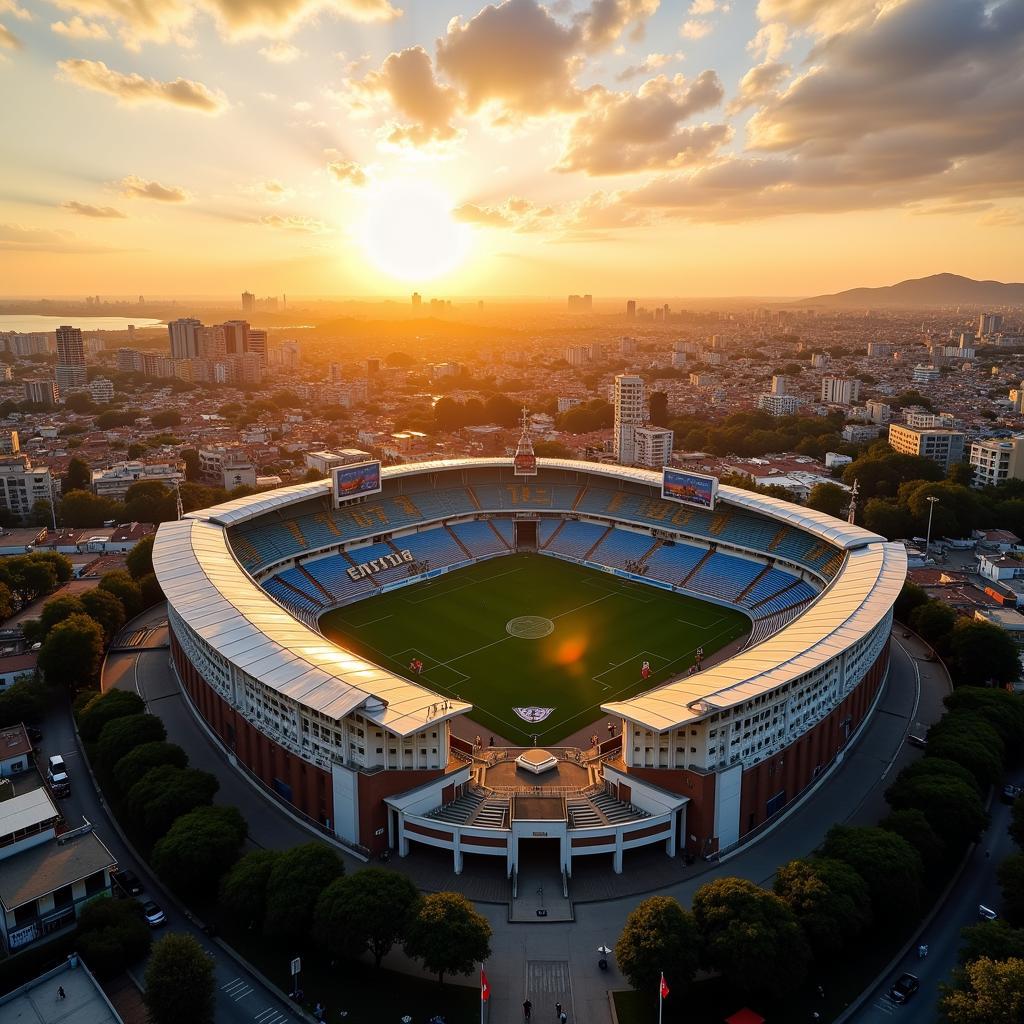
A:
{"x":640,"y":656}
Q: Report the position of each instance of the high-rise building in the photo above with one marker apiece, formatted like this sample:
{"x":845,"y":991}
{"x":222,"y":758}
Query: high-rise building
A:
{"x":880,"y":412}
{"x":631,"y":309}
{"x":779,"y":405}
{"x":839,"y":390}
{"x":926,"y":374}
{"x":184,"y":336}
{"x":779,"y":385}
{"x":9,"y":442}
{"x":945,"y":447}
{"x":417,"y":300}
{"x":41,"y":392}
{"x":236,"y":337}
{"x":629,"y":414}
{"x":289,"y":354}
{"x":997,"y":460}
{"x":652,"y":446}
{"x":102,"y":390}
{"x":258,"y":343}
{"x":989,"y":323}
{"x":212,"y":344}
{"x":581,"y":303}
{"x":22,"y":485}
{"x":248,"y":302}
{"x":70,"y":371}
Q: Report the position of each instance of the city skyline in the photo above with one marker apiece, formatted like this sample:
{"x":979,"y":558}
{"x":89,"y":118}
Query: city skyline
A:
{"x":349,"y":148}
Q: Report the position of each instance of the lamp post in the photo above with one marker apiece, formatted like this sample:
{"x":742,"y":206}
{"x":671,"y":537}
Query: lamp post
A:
{"x":928,"y":540}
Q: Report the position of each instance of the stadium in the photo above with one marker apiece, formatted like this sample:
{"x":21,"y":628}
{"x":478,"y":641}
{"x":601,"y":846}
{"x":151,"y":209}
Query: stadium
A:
{"x":485,"y":655}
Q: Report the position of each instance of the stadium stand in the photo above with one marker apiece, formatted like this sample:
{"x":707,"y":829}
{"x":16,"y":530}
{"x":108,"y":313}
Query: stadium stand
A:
{"x":332,"y":574}
{"x":673,"y":564}
{"x":507,"y":531}
{"x":576,"y":539}
{"x":724,"y":576}
{"x":479,"y":539}
{"x":621,"y":547}
{"x":436,"y":547}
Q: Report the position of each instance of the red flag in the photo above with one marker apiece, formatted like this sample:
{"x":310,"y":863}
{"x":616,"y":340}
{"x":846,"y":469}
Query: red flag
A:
{"x":485,"y":989}
{"x":664,"y":990}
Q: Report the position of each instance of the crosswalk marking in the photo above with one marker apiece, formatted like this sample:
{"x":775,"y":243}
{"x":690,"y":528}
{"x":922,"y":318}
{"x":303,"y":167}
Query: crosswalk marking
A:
{"x":237,"y":988}
{"x":270,"y":1016}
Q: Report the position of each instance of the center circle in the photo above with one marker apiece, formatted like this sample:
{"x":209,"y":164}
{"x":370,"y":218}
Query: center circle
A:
{"x":529,"y":627}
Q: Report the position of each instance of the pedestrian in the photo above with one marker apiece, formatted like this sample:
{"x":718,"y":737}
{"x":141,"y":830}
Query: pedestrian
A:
{"x":478,"y":743}
{"x":61,"y":994}
{"x":558,"y":1011}
{"x":527,"y":1009}
{"x":491,"y":744}
{"x":611,"y":729}
{"x":821,"y":992}
{"x":562,"y":1017}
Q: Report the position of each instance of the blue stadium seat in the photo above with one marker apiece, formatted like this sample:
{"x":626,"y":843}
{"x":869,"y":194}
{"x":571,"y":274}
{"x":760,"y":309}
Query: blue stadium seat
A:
{"x":724,"y":576}
{"x":479,"y":538}
{"x":576,"y":539}
{"x":621,"y":547}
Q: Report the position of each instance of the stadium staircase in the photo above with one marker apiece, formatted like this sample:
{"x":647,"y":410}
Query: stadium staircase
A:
{"x":593,"y":547}
{"x":579,"y":497}
{"x":316,"y":583}
{"x":352,"y":561}
{"x":473,"y":498}
{"x":305,"y":598}
{"x":719,"y":523}
{"x":642,"y":560}
{"x":778,"y":593}
{"x":455,"y":537}
{"x":497,"y":533}
{"x":558,"y":530}
{"x":753,"y":583}
{"x":494,"y":813}
{"x":697,"y":568}
{"x":778,"y":538}
{"x":460,"y":810}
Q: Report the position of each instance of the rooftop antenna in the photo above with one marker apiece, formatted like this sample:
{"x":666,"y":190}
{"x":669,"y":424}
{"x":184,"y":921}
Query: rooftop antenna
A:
{"x":852,"y":515}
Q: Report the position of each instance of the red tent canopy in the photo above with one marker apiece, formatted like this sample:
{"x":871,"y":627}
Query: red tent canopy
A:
{"x":745,"y":1016}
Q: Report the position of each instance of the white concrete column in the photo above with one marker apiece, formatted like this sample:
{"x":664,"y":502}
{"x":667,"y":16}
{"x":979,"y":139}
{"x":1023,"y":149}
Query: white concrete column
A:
{"x":403,"y":839}
{"x":617,"y":856}
{"x":457,"y":851}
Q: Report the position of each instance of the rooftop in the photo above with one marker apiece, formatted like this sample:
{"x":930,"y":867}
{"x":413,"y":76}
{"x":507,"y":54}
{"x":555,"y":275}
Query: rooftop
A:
{"x":14,"y":740}
{"x":37,"y":1002}
{"x":41,"y":869}
{"x":23,"y":812}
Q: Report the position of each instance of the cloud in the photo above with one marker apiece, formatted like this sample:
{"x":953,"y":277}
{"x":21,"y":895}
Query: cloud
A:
{"x":11,"y":7}
{"x":280,"y":52}
{"x":15,"y":238}
{"x":703,"y":7}
{"x":515,"y":213}
{"x":1003,"y":218}
{"x":347,"y":173}
{"x":650,"y":63}
{"x":162,"y":21}
{"x":759,"y":84}
{"x":304,"y":225}
{"x":695,"y":28}
{"x":8,"y":40}
{"x":271,"y":190}
{"x":824,"y":17}
{"x":135,"y":90}
{"x":134,"y":187}
{"x":407,"y":80}
{"x":87,"y":210}
{"x":771,"y":41}
{"x":77,"y":28}
{"x":605,"y":20}
{"x":514,"y":56}
{"x":622,"y":132}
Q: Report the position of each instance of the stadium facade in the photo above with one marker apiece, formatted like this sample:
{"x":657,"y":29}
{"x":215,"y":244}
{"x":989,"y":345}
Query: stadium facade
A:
{"x":700,"y":763}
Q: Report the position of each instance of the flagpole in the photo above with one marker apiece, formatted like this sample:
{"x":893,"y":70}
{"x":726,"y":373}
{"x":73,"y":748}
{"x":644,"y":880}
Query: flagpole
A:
{"x":661,"y":998}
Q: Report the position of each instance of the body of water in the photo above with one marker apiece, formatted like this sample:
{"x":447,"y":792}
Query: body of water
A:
{"x":27,"y":323}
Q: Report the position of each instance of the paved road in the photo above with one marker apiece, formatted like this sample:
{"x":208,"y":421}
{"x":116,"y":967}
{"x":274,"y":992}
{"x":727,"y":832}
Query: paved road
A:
{"x":241,"y":998}
{"x":540,"y":959}
{"x":976,"y":885}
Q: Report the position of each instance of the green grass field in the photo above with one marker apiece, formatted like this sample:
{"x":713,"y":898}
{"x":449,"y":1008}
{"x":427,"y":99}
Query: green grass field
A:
{"x":604,"y":628}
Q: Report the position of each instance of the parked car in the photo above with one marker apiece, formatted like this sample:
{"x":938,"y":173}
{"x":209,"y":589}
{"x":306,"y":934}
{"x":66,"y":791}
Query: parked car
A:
{"x":904,"y":987}
{"x":1010,"y":793}
{"x":57,"y":774}
{"x":128,"y":882}
{"x":986,"y":913}
{"x":155,"y":917}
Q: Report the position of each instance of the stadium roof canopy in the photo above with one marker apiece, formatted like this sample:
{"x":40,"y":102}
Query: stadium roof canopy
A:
{"x":210,"y":590}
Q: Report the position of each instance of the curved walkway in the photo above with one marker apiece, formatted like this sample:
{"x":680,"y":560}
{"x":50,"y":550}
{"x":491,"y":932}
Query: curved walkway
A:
{"x":525,"y":956}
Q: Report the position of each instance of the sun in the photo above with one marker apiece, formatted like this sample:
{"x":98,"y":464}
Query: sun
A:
{"x":408,"y":231}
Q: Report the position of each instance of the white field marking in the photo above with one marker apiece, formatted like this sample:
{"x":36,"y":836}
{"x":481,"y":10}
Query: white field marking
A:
{"x":701,"y":625}
{"x":619,"y":591}
{"x":596,"y":600}
{"x":363,"y":625}
{"x":454,"y":589}
{"x":640,"y":655}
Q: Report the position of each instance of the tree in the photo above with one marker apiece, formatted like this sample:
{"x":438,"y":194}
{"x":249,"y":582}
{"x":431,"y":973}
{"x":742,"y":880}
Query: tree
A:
{"x":1011,"y":882}
{"x":829,"y":498}
{"x":996,"y":940}
{"x":80,"y":508}
{"x":751,"y":936}
{"x":448,"y":935}
{"x":78,"y":476}
{"x":136,"y":763}
{"x":121,"y":585}
{"x":24,"y":701}
{"x":111,"y":935}
{"x":149,"y":588}
{"x":888,"y":864}
{"x":243,"y":890}
{"x":983,"y":653}
{"x":57,"y":609}
{"x":934,"y":621}
{"x":140,"y":559}
{"x":165,"y":793}
{"x":1003,"y":710}
{"x":952,"y":807}
{"x":659,"y":408}
{"x":149,"y":501}
{"x":105,"y":707}
{"x":967,"y":738}
{"x":296,"y":882}
{"x":886,"y":518}
{"x":912,"y":825}
{"x":6,"y":602}
{"x":369,"y":910}
{"x":72,"y":652}
{"x":165,"y":418}
{"x":117,"y":738}
{"x":911,"y":596}
{"x":828,"y":898}
{"x":939,"y":766}
{"x":659,"y":936}
{"x":553,"y":450}
{"x":106,"y":609}
{"x":985,"y":992}
{"x":179,"y":982}
{"x":198,"y":849}
{"x":60,"y":564}
{"x":961,"y":473}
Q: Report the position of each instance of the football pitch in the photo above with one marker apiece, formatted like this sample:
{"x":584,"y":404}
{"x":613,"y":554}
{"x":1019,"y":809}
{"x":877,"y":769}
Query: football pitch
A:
{"x":532,"y":631}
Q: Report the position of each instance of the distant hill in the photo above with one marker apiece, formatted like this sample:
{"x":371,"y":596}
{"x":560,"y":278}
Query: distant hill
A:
{"x":937,"y":290}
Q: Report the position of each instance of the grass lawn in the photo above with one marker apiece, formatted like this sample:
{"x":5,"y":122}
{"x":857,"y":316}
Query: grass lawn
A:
{"x":602,"y":630}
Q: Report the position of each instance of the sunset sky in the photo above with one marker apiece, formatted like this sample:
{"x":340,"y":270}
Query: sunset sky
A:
{"x":361,"y":147}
